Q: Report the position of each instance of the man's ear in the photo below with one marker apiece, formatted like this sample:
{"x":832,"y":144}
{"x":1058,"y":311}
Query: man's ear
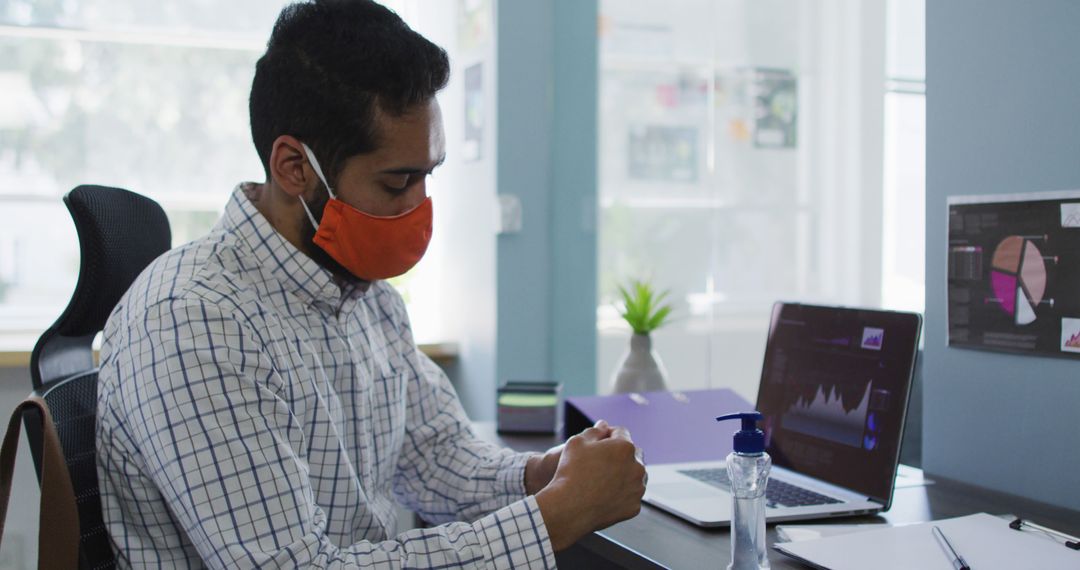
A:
{"x":290,"y":169}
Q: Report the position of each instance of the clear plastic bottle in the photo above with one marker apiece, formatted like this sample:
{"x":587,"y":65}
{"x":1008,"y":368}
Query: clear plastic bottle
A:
{"x":748,"y":468}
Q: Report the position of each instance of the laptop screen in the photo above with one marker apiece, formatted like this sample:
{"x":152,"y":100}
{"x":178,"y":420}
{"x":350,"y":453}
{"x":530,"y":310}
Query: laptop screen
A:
{"x":834,"y":391}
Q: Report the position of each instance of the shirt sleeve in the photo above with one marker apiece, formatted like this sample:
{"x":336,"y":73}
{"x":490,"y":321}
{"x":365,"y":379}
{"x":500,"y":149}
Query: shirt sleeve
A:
{"x":445,"y":472}
{"x":225,"y":451}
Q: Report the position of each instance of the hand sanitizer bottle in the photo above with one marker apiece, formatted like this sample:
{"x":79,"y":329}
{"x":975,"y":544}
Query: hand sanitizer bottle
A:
{"x":748,"y":468}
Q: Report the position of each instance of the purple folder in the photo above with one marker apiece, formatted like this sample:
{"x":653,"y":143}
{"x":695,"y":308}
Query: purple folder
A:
{"x":670,"y":427}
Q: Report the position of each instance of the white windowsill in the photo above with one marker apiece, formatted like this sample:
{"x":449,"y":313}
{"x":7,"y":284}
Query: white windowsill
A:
{"x":441,"y":352}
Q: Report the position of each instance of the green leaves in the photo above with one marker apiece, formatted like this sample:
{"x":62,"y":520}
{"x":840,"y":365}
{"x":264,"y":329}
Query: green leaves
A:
{"x":642,"y":307}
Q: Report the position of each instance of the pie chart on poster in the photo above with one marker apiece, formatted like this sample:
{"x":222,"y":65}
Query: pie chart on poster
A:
{"x":1018,"y":278}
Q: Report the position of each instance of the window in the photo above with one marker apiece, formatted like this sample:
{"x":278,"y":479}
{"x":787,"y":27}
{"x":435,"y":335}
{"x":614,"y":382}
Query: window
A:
{"x":904,"y":221}
{"x":743,"y":150}
{"x":147,"y":96}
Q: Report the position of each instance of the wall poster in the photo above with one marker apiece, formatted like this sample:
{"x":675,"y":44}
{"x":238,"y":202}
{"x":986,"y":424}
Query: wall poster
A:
{"x":663,"y":152}
{"x":1014,"y":273}
{"x":776,"y":108}
{"x":474,"y":112}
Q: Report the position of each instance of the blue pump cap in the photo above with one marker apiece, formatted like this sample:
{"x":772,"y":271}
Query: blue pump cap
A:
{"x":749,"y":440}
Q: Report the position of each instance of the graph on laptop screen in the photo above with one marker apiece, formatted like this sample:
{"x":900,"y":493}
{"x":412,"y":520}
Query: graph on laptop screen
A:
{"x":834,"y":390}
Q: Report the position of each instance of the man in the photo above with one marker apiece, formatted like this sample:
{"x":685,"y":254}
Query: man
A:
{"x":262,"y":402}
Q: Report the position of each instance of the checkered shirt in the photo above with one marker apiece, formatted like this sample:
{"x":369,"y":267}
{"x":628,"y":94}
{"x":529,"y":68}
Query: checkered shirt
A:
{"x":255,"y":413}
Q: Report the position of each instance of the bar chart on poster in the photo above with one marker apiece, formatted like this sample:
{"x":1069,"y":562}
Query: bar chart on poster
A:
{"x":1014,"y":273}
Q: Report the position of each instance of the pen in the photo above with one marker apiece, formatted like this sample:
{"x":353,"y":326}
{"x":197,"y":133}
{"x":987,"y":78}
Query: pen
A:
{"x":958,"y":561}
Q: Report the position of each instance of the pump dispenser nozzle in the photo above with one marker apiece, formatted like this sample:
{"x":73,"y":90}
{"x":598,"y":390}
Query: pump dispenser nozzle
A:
{"x":749,"y":439}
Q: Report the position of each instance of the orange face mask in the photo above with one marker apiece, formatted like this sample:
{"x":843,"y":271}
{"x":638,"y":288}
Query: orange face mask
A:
{"x":370,"y":247}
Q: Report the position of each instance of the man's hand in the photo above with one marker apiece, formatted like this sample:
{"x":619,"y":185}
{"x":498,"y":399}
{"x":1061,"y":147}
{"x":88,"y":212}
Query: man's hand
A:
{"x":540,"y":469}
{"x":598,"y":481}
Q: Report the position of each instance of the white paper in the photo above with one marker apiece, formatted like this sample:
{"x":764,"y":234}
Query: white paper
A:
{"x":798,"y":533}
{"x":986,"y":543}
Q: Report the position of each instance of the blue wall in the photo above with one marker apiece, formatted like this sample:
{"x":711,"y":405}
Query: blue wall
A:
{"x":1003,"y":116}
{"x":546,"y":135}
{"x":574,"y":197}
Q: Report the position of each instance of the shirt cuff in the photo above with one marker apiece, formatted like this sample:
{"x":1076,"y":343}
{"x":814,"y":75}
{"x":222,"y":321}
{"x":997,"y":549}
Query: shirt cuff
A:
{"x":510,"y":480}
{"x":516,"y":537}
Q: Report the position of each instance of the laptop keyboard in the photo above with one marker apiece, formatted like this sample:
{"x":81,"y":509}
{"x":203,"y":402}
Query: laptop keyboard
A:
{"x":777,"y":493}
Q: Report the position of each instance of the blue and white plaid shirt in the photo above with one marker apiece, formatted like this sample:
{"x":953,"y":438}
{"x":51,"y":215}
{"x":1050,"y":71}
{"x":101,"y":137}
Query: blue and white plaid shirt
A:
{"x":254,"y":413}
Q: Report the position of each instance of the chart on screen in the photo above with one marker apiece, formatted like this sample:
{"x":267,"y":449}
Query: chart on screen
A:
{"x":833,"y":412}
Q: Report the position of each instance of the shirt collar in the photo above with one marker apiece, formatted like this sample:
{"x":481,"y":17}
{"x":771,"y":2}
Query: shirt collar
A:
{"x":292,"y":267}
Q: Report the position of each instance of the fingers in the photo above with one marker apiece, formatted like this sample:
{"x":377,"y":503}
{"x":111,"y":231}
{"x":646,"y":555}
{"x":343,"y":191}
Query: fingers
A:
{"x":600,"y":430}
{"x":611,"y":435}
{"x":606,"y":453}
{"x":595,"y":433}
{"x":621,"y":433}
{"x":601,"y":427}
{"x":639,"y":480}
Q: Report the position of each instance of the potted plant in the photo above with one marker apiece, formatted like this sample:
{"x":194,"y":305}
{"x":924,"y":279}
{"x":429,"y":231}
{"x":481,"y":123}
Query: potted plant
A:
{"x":641,"y":369}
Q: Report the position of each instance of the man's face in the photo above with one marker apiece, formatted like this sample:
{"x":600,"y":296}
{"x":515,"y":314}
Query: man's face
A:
{"x":389,"y":181}
{"x":393,"y":179}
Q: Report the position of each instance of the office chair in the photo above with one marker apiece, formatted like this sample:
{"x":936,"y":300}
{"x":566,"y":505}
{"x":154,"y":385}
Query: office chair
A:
{"x":120,"y":233}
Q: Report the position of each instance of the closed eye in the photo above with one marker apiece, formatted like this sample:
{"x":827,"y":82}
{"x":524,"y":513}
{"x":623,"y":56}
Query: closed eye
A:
{"x":406,"y":182}
{"x":397,"y":184}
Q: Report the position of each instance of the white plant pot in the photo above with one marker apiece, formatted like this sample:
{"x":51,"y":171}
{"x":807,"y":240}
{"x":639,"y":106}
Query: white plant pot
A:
{"x":641,"y":369}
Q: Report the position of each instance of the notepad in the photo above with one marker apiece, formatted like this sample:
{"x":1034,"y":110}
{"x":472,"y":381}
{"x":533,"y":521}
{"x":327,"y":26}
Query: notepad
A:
{"x":801,"y":532}
{"x":985,"y":541}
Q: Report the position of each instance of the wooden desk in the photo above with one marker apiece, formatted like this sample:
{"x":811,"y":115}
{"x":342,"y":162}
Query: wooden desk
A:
{"x":654,"y":539}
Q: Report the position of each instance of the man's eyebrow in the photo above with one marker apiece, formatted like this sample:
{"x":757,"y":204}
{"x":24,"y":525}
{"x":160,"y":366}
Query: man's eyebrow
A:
{"x":410,"y":170}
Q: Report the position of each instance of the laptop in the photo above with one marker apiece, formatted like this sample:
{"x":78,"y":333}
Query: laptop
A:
{"x":834,"y":393}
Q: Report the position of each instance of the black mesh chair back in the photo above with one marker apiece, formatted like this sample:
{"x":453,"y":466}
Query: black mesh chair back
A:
{"x":120,"y":233}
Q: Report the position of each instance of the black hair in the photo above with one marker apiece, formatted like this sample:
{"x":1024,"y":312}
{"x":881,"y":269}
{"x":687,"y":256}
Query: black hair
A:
{"x":330,"y":67}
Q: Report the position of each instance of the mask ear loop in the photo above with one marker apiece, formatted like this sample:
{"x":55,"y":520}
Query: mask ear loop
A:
{"x":322,"y":177}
